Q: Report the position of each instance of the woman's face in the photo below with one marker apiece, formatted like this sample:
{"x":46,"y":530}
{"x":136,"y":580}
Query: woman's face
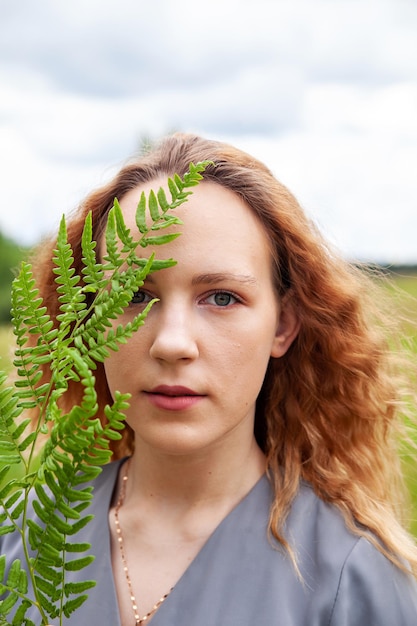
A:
{"x":196,"y":367}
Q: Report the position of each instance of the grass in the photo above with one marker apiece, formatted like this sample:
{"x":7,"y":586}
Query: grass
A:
{"x":6,"y":341}
{"x":408,"y":283}
{"x":402,"y":288}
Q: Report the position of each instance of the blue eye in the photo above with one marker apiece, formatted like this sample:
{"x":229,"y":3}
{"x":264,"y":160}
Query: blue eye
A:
{"x":222,"y":298}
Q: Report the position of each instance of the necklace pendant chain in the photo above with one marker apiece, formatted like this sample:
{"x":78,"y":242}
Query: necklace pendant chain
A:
{"x":138,"y":620}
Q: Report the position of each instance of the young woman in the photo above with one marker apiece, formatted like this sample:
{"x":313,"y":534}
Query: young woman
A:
{"x":258,"y":479}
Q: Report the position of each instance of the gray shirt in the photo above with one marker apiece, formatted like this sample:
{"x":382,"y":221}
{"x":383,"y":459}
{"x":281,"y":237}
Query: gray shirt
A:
{"x":242,"y":578}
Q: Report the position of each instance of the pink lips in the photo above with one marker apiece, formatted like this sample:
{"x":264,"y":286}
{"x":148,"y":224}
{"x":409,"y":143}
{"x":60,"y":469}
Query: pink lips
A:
{"x":173,"y":398}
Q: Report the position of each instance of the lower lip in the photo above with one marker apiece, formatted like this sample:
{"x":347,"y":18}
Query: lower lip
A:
{"x":173,"y":403}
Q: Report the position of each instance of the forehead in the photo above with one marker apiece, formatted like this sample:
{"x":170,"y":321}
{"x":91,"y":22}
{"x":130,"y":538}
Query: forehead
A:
{"x":220,"y":234}
{"x":211,"y":211}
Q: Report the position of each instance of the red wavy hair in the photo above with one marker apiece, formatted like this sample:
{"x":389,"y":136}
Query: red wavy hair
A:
{"x":330,"y":411}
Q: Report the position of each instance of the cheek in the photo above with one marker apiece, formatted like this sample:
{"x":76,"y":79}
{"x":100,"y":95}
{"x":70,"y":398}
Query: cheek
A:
{"x":118,"y":371}
{"x":111,"y":369}
{"x":243,"y":364}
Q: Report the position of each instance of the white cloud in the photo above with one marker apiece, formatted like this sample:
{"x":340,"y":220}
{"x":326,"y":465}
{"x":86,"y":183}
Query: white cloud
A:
{"x":324,"y":91}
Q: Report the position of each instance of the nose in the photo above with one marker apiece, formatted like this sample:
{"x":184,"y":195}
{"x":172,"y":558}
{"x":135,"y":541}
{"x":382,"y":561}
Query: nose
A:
{"x":173,"y":335}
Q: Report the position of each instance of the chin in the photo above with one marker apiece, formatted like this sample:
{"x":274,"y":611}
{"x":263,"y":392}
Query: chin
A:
{"x":180,"y":442}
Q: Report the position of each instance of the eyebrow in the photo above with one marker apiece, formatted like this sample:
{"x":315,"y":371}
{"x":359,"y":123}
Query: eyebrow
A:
{"x":217,"y":277}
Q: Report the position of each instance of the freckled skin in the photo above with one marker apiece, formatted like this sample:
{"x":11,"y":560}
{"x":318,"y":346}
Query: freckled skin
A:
{"x":213,"y":331}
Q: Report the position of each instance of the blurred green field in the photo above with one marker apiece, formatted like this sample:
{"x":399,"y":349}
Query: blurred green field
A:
{"x":405,"y":286}
{"x":6,"y":351}
{"x":403,"y":289}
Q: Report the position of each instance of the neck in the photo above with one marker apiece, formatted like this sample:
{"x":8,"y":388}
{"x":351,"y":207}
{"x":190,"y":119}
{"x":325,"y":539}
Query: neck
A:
{"x":206,"y":476}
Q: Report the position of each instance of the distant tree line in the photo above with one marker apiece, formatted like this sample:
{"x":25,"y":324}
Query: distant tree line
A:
{"x":393,"y":269}
{"x":11,"y":254}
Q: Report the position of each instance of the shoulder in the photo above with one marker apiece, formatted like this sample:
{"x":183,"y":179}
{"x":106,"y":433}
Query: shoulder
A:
{"x":362,"y":586}
{"x":372,"y":590}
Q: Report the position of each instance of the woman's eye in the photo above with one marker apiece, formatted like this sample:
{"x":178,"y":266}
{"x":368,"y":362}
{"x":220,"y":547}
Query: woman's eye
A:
{"x":221,"y":298}
{"x":140,"y":297}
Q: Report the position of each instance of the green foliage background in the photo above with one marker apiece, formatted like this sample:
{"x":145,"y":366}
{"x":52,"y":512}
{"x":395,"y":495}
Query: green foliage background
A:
{"x":405,"y":285}
{"x":10,"y":256}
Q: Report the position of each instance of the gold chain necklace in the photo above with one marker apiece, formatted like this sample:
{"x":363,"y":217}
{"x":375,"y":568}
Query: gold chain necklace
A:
{"x":138,"y":620}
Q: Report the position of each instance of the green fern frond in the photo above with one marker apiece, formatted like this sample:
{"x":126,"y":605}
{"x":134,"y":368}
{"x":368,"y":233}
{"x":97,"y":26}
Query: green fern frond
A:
{"x":93,"y":274}
{"x":72,"y":298}
{"x":122,"y":231}
{"x":112,"y":256}
{"x":58,"y":489}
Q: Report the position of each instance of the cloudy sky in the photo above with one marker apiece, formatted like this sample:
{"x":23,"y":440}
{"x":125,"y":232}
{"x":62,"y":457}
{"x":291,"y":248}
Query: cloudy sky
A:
{"x":324,"y":91}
